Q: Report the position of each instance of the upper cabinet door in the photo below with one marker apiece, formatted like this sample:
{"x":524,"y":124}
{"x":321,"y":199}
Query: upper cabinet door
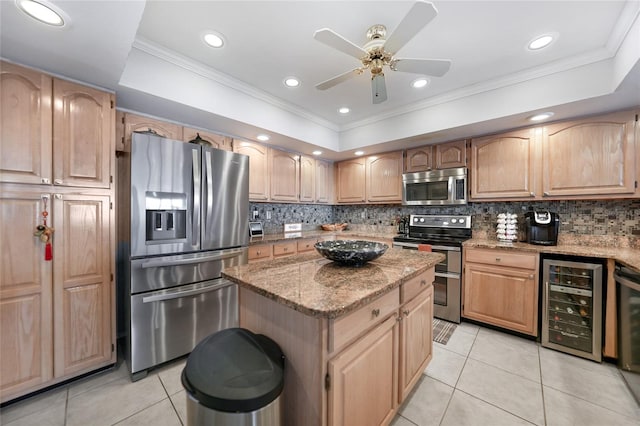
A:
{"x":258,"y":169}
{"x":384,"y":177}
{"x":419,"y":159}
{"x":25,"y":125}
{"x":285,"y":181}
{"x":589,"y":157}
{"x":83,"y":134}
{"x":307,"y":179}
{"x":504,"y":166}
{"x":323,"y":191}
{"x":350,"y":185}
{"x":216,"y":141}
{"x":451,"y":154}
{"x":138,"y":123}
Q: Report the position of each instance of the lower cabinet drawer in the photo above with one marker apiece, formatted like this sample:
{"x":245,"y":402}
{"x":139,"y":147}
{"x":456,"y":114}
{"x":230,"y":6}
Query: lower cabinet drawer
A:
{"x":502,"y":258}
{"x":284,"y":249}
{"x":262,"y":251}
{"x":306,"y":245}
{"x":347,"y":328}
{"x":415,"y":285}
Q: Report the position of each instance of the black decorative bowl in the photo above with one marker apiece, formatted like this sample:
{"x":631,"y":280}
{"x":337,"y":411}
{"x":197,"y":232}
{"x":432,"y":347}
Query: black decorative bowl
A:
{"x":351,"y":252}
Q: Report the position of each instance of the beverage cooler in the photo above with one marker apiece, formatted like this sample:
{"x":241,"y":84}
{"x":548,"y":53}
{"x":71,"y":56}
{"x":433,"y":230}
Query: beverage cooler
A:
{"x":572,"y":307}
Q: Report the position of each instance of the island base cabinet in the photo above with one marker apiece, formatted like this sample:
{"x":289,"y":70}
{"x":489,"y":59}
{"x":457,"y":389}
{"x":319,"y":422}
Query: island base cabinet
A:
{"x":416,"y":339}
{"x":363,"y":379}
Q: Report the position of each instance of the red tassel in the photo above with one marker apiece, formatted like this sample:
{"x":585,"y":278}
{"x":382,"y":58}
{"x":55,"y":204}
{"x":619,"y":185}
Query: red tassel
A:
{"x":48,"y":252}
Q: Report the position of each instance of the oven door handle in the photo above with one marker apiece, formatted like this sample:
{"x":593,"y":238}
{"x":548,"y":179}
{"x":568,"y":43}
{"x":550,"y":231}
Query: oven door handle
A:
{"x":446,"y":275}
{"x":186,"y":293}
{"x":177,"y":262}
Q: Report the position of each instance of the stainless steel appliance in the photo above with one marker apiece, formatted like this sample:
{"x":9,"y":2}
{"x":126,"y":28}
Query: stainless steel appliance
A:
{"x":542,"y":227}
{"x":445,"y":234}
{"x":437,"y":187}
{"x":628,"y":290}
{"x":572,"y":307}
{"x":188,"y":215}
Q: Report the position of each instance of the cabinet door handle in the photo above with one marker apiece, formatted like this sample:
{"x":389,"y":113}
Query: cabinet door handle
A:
{"x":58,"y":196}
{"x":498,"y":259}
{"x":258,"y":252}
{"x":45,"y":180}
{"x":423,"y":282}
{"x":546,"y":194}
{"x":286,"y":248}
{"x":57,"y":181}
{"x":375,"y":313}
{"x":406,"y":313}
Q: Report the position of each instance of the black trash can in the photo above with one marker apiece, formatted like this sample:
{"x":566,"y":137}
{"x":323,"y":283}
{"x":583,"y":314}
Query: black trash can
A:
{"x":234,"y":377}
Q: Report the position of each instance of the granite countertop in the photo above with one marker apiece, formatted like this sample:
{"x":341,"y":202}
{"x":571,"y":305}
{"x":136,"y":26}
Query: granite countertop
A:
{"x":316,"y":286}
{"x":625,"y":255}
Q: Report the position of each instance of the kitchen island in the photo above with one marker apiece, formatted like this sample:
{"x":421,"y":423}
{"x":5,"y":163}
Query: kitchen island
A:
{"x":356,"y":339}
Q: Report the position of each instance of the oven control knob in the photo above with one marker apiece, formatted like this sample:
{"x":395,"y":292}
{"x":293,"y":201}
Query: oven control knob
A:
{"x":454,"y":220}
{"x":421,"y":219}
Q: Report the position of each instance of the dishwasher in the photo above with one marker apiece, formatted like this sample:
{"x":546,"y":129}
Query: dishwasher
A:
{"x":628,"y":293}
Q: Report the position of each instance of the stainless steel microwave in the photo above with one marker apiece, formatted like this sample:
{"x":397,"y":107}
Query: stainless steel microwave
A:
{"x":437,"y":187}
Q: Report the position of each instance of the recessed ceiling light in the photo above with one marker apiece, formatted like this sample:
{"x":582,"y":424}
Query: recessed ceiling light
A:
{"x":291,"y":82}
{"x":420,"y":83}
{"x":262,"y":138}
{"x":541,"y":116}
{"x":42,"y":11}
{"x":213,"y":39}
{"x":359,"y":152}
{"x":540,"y":42}
{"x":317,"y":152}
{"x":343,"y":110}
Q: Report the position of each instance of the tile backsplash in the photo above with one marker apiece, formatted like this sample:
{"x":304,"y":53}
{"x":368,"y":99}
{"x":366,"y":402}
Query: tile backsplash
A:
{"x":619,"y":218}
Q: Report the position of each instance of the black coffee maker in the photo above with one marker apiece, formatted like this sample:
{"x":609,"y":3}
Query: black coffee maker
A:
{"x":541,"y":227}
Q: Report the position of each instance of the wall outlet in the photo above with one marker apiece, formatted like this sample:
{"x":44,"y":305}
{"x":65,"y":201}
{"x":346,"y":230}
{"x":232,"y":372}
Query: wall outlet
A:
{"x":363,"y":215}
{"x":254,"y":214}
{"x":268,"y":214}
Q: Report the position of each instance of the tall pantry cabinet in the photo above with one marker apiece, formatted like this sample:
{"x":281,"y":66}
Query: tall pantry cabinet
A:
{"x":57,"y":316}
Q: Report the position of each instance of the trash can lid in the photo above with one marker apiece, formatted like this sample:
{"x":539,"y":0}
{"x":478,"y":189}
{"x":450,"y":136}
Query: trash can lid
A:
{"x":235,"y":370}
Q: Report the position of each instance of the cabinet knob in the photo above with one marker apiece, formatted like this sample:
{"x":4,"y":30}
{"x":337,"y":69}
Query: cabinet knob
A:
{"x":531,"y":276}
{"x":546,"y":194}
{"x":57,"y":181}
{"x":286,"y":248}
{"x":498,"y":259}
{"x":58,"y":196}
{"x":406,"y":313}
{"x":423,"y":282}
{"x":375,"y":313}
{"x":45,"y":180}
{"x":533,"y":194}
{"x":258,"y":252}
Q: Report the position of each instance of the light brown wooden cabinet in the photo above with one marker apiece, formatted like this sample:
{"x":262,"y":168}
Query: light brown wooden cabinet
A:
{"x":384,"y":177}
{"x":59,"y":312}
{"x":307,"y":179}
{"x":501,"y":288}
{"x":594,"y":156}
{"x":505,"y":166}
{"x":284,"y":171}
{"x":54,"y":131}
{"x":127,"y":123}
{"x":259,"y":252}
{"x":323,"y":182}
{"x":216,"y":141}
{"x":259,"y":182}
{"x":441,"y":156}
{"x":332,"y":360}
{"x":375,"y":179}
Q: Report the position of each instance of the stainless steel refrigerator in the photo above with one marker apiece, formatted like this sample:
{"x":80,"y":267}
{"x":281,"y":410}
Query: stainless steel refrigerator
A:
{"x":188,"y":209}
{"x":572,"y":307}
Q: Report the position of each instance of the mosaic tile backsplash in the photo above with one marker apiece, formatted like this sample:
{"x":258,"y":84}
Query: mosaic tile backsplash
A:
{"x":615,"y":218}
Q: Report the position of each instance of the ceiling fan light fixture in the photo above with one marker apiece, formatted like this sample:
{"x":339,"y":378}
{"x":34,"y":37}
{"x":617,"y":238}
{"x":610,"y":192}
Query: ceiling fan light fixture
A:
{"x":344,"y":110}
{"x":291,"y":82}
{"x":541,"y":117}
{"x":213,"y":39}
{"x":419,"y":83}
{"x":43,"y":12}
{"x":541,"y":42}
{"x":262,"y":137}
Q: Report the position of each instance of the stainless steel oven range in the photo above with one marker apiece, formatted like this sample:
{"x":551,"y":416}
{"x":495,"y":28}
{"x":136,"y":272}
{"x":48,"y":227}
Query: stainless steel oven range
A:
{"x":445,"y":234}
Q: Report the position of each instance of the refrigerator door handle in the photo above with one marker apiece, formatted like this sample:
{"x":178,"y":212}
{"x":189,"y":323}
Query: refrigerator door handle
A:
{"x":195,"y":227}
{"x":186,"y":293}
{"x":209,"y":185}
{"x":177,"y":262}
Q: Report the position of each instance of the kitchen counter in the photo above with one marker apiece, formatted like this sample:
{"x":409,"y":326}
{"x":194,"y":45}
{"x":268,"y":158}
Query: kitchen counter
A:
{"x":626,"y":256}
{"x":317,"y":287}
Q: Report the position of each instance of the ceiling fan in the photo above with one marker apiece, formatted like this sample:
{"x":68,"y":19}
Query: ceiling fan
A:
{"x":379,"y":52}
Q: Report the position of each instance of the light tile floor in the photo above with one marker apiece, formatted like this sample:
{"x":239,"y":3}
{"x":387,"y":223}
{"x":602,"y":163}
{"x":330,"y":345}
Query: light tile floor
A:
{"x":481,"y":377}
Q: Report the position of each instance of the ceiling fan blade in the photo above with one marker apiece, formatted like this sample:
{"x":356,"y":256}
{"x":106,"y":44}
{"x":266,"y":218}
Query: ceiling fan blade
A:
{"x":434,"y":67}
{"x":335,"y":40}
{"x":378,"y":88}
{"x":420,"y":14}
{"x":338,"y":79}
